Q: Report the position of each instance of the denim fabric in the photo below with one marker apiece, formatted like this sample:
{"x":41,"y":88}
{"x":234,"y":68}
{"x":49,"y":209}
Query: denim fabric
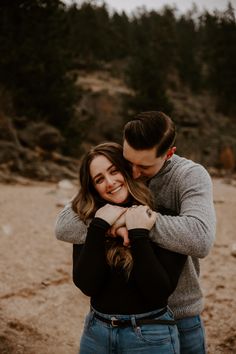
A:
{"x":191,"y":335}
{"x":101,"y":338}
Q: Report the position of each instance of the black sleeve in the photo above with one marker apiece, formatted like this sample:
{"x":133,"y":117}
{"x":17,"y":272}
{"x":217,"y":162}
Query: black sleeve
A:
{"x":89,"y":260}
{"x":173,"y":263}
{"x":154,"y":277}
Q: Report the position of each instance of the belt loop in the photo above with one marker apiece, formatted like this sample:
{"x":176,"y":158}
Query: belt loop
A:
{"x":170,"y":311}
{"x":91,"y":317}
{"x":133,"y":321}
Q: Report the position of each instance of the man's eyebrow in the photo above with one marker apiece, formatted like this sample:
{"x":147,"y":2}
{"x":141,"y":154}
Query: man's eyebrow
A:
{"x":142,"y":166}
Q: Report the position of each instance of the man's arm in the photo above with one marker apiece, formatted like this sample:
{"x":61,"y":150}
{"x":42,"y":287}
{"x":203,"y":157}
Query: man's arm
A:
{"x":69,"y":227}
{"x":192,"y":232}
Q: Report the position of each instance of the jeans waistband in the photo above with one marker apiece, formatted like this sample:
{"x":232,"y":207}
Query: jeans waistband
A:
{"x":154,"y":313}
{"x":129,"y":320}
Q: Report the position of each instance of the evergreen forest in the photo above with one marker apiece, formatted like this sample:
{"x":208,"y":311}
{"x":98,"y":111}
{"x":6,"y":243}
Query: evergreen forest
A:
{"x":45,"y":44}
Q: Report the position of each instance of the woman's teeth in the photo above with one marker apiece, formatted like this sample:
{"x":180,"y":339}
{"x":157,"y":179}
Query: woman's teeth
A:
{"x":115,"y":190}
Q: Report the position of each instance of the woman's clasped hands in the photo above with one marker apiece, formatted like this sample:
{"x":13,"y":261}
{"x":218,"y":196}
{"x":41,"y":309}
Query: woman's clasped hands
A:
{"x":140,"y":216}
{"x":123,"y":219}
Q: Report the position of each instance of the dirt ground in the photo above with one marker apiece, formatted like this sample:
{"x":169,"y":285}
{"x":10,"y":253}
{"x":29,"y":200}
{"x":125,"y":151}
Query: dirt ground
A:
{"x":42,"y":312}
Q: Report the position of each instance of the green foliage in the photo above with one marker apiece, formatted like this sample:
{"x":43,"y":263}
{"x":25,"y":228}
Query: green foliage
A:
{"x":33,"y":62}
{"x":152,"y":56}
{"x":120,"y":36}
{"x":188,"y":49}
{"x":91,"y":37}
{"x":219,"y":52}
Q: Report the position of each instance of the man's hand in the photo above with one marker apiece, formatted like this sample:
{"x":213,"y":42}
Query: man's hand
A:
{"x":140,"y":217}
{"x":110,"y":213}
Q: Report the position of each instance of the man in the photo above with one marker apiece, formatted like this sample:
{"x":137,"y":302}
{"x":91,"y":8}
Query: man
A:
{"x":183,"y":190}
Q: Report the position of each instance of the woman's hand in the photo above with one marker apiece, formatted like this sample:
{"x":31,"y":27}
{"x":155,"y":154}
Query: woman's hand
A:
{"x":120,"y":222}
{"x":123,"y":232}
{"x":110,"y":213}
{"x":140,"y":217}
{"x":119,"y":229}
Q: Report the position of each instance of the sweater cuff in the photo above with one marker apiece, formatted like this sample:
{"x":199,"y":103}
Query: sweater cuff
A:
{"x":135,"y":234}
{"x":100,"y":223}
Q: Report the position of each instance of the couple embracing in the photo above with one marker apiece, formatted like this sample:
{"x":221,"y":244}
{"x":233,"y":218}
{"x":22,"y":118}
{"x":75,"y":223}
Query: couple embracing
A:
{"x":140,"y":222}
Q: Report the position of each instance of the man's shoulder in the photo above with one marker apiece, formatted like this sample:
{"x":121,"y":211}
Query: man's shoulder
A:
{"x":180,"y":170}
{"x":186,"y":172}
{"x":183,"y":161}
{"x":181,"y":164}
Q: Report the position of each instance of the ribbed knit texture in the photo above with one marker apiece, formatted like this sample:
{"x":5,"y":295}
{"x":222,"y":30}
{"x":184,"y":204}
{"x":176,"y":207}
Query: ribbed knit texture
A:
{"x":184,"y":188}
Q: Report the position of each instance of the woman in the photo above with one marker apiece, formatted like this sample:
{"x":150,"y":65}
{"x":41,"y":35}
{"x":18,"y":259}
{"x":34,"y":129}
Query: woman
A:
{"x":129,"y":286}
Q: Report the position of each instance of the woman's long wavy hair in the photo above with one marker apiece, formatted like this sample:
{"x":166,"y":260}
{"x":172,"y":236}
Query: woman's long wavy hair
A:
{"x":88,"y":201}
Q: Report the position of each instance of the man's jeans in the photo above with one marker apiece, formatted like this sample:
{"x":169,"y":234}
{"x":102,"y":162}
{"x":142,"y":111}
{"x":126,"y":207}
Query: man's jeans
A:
{"x":192,"y":335}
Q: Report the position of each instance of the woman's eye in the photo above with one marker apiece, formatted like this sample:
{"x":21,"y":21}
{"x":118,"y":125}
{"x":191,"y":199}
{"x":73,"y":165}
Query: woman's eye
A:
{"x":113,"y":172}
{"x":99,"y":180}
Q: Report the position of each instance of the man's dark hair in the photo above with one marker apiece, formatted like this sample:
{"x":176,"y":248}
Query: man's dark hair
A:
{"x":149,"y":129}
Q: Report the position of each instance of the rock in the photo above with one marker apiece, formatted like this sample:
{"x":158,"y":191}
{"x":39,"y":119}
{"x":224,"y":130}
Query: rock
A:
{"x":233,"y":250}
{"x":8,"y":132}
{"x":63,"y":202}
{"x":65,"y":191}
{"x":7,"y":229}
{"x":42,"y":135}
{"x":8,"y":151}
{"x":66,"y":184}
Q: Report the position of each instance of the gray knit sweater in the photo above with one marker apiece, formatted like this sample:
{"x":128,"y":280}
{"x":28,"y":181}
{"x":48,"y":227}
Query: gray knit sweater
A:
{"x":185,"y":189}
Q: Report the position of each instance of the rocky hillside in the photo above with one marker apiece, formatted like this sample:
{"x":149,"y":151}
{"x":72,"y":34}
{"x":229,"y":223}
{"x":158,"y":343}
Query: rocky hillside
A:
{"x":204,"y":135}
{"x":33,"y":150}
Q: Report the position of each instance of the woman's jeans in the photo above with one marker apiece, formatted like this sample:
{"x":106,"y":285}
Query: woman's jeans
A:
{"x":102,"y":338}
{"x":191,"y":335}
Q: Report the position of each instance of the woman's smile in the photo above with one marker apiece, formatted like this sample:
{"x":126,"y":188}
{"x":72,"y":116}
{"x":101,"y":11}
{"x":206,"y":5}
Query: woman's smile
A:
{"x":115,"y":190}
{"x":108,"y":180}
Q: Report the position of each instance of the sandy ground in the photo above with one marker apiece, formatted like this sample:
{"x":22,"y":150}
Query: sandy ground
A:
{"x":42,"y":312}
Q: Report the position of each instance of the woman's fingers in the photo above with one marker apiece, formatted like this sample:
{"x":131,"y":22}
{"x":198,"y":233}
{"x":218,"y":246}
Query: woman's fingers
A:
{"x":140,"y":217}
{"x":123,"y":232}
{"x":110,"y":213}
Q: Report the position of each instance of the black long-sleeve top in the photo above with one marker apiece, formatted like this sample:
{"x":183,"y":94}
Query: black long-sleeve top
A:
{"x":153,"y":278}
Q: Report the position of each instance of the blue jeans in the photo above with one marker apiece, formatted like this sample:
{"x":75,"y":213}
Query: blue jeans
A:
{"x":191,"y":335}
{"x":101,"y":338}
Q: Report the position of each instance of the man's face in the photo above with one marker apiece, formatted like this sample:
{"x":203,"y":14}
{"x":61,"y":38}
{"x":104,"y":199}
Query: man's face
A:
{"x":144,"y":162}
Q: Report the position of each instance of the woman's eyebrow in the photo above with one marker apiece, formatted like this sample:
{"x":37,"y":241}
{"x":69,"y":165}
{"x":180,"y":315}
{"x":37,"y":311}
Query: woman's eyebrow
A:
{"x":96,"y":176}
{"x":100,"y":173}
{"x":110,"y":167}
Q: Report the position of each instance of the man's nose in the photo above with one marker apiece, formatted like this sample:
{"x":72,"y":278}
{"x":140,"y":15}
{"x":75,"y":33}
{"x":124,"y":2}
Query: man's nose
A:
{"x":136,"y":172}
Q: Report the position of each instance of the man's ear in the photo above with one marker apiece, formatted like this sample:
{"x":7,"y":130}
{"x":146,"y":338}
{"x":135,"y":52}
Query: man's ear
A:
{"x":170,"y":152}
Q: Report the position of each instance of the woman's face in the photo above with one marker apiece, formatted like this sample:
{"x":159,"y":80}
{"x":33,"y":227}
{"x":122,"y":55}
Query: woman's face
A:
{"x":108,"y":181}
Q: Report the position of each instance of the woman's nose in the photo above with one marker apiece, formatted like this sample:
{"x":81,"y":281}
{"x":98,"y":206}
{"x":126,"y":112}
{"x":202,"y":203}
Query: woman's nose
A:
{"x":109,"y":180}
